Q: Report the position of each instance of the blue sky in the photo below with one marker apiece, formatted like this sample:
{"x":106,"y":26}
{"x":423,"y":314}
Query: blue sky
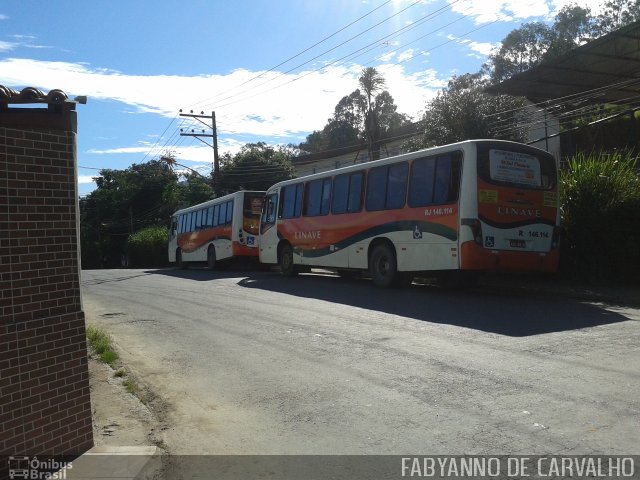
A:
{"x":272,"y":70}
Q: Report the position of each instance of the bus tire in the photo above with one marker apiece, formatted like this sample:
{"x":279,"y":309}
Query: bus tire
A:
{"x":383,"y":266}
{"x":211,"y":258}
{"x":287,"y":268}
{"x":182,"y":265}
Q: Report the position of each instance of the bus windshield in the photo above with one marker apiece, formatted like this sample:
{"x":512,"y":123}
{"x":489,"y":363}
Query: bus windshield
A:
{"x":252,"y":209}
{"x":516,"y":167}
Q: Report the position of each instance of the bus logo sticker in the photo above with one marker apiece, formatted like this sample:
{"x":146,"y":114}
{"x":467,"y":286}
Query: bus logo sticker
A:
{"x":488,"y":196}
{"x":489,"y":241}
{"x":417,"y":234}
{"x":250,"y":240}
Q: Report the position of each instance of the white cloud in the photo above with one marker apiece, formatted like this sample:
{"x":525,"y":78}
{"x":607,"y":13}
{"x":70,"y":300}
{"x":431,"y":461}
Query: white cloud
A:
{"x":7,"y":46}
{"x":285,"y":103}
{"x":406,"y":55}
{"x":486,"y":11}
{"x":596,"y":6}
{"x":248,"y":105}
{"x":86,"y":179}
{"x":386,"y":57}
{"x":483,"y":48}
{"x":110,"y":151}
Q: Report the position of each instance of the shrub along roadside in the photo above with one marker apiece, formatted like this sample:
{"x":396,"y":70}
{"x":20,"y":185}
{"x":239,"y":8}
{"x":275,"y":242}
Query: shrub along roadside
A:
{"x":600,"y":209}
{"x":148,"y":247}
{"x":100,"y":343}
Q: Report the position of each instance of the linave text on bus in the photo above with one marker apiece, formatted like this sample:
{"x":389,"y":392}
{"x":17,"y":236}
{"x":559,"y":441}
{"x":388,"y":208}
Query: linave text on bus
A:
{"x":309,"y":235}
{"x":520,"y":212}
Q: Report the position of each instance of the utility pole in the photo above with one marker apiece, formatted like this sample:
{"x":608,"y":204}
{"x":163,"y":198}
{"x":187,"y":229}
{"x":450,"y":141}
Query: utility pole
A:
{"x":213,"y":135}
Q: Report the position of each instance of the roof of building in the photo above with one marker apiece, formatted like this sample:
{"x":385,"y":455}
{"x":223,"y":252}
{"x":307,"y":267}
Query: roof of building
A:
{"x":31,"y":95}
{"x":605,"y":70}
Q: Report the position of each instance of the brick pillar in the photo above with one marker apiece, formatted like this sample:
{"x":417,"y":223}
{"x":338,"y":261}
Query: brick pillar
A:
{"x":44,"y":381}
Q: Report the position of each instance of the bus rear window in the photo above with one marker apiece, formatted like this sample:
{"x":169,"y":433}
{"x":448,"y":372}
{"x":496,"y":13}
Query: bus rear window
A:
{"x":518,"y":167}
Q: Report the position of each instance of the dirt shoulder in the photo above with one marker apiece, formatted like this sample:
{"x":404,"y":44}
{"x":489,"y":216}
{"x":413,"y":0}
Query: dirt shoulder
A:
{"x":119,"y":418}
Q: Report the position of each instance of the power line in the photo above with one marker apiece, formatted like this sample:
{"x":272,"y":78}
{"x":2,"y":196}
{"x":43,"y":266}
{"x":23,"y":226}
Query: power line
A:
{"x":428,"y":16}
{"x":297,"y":54}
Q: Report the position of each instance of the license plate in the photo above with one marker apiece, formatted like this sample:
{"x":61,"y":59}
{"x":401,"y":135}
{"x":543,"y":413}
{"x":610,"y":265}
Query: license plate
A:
{"x":513,"y":243}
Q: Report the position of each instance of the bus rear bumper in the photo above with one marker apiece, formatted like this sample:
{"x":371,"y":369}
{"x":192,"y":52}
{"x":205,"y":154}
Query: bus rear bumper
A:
{"x":475,"y":257}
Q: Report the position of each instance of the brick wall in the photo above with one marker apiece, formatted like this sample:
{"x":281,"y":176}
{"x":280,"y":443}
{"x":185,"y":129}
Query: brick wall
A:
{"x":44,"y":385}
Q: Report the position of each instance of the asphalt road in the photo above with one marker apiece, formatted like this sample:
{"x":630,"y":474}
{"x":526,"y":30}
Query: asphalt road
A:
{"x":252,"y":363}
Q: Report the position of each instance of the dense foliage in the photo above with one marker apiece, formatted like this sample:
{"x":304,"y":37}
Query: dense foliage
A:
{"x":600,"y":209}
{"x":256,"y":167}
{"x":145,"y":195}
{"x":464,"y":111}
{"x":536,"y":42}
{"x":365,"y":116}
{"x":148,"y":247}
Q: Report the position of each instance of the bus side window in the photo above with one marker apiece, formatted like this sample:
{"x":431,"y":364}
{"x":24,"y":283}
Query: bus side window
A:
{"x":299,"y":191}
{"x":376,"y":188}
{"x":313,"y":198}
{"x":421,"y":182}
{"x":447,"y":181}
{"x":222,"y":218}
{"x":443,"y":174}
{"x":216,"y":212}
{"x":355,"y":192}
{"x":387,"y":187}
{"x":397,"y":186}
{"x":347,"y":193}
{"x":326,"y":196}
{"x":340,"y":194}
{"x":270,"y":209}
{"x":230,"y":211}
{"x":292,"y":200}
{"x":210,"y":217}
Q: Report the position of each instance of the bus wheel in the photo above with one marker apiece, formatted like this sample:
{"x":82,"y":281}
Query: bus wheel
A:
{"x":179,"y":262}
{"x":287,"y":268}
{"x":382,"y":266}
{"x":211,"y":258}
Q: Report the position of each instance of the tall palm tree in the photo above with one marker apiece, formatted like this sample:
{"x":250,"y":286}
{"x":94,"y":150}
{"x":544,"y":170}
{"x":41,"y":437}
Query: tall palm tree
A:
{"x":371,"y":82}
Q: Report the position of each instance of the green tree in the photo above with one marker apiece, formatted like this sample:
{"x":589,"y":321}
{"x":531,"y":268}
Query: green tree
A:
{"x":124,"y":202}
{"x":256,"y":167}
{"x":600,"y":197}
{"x":464,"y":111}
{"x":535,"y":42}
{"x":617,"y":14}
{"x":520,"y":50}
{"x":194,"y":189}
{"x":372,"y":82}
{"x":366,"y":115}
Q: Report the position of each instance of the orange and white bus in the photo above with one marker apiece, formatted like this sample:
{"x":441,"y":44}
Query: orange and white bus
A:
{"x":449,"y":211}
{"x":217,"y":230}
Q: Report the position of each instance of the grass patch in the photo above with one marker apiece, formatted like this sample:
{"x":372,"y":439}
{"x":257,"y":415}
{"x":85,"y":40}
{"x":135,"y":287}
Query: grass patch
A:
{"x":119,"y":373}
{"x":130,"y":385}
{"x":100,"y":342}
